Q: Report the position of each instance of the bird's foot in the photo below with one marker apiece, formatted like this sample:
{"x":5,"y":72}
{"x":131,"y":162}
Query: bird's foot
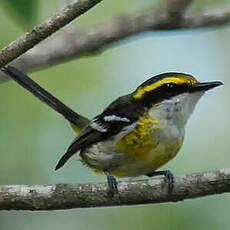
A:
{"x":168,"y":176}
{"x":112,"y":184}
{"x":170,"y":179}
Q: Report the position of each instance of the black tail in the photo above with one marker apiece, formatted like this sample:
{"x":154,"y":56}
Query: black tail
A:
{"x":44,"y":96}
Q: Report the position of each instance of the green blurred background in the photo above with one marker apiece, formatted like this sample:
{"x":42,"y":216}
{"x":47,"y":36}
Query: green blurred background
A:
{"x":33,"y":137}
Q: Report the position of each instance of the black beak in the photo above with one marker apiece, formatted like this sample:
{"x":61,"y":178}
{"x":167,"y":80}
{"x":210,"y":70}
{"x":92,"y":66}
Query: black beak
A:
{"x":204,"y":86}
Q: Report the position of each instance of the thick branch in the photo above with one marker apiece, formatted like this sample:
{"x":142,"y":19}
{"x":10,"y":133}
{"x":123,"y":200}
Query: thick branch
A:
{"x":45,"y":29}
{"x":67,"y":196}
{"x":77,"y":43}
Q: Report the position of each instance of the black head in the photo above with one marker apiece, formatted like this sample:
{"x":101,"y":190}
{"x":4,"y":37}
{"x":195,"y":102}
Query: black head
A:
{"x":168,"y":85}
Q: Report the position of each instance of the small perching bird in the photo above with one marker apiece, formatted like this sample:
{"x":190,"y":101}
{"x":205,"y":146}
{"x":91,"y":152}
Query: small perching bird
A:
{"x":135,"y":134}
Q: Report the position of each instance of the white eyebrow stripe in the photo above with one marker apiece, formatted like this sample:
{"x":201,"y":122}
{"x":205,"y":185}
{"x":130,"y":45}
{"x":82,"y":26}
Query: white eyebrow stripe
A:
{"x":98,"y":126}
{"x":115,"y":118}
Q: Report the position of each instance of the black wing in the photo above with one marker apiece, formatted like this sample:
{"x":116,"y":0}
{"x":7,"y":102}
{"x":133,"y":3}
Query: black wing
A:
{"x":113,"y":120}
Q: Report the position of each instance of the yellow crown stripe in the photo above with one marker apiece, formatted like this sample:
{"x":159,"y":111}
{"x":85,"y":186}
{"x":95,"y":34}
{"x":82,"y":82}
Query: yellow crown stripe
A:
{"x":140,"y":91}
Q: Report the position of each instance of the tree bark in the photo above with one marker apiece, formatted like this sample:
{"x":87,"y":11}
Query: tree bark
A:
{"x":67,"y":196}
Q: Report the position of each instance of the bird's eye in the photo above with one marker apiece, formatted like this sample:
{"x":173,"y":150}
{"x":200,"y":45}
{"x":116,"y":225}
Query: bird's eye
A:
{"x":169,"y":85}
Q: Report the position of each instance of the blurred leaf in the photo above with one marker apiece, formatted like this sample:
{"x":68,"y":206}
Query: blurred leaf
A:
{"x":206,"y":4}
{"x":24,"y":10}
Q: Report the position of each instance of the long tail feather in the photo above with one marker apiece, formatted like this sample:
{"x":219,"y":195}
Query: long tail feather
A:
{"x":44,"y":96}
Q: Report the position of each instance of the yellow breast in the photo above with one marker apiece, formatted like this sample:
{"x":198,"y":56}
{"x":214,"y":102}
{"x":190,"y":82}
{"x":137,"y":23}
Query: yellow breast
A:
{"x":141,"y":139}
{"x":146,"y":147}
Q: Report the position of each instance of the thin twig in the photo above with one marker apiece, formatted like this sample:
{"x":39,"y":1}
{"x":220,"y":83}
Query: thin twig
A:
{"x":67,"y":196}
{"x":45,"y":29}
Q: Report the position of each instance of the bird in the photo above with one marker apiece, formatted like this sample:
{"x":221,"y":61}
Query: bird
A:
{"x":137,"y":133}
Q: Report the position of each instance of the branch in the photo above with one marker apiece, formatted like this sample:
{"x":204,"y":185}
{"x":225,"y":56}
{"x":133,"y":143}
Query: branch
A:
{"x":45,"y":29}
{"x":173,"y":9}
{"x":67,"y":196}
{"x":76,"y":43}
